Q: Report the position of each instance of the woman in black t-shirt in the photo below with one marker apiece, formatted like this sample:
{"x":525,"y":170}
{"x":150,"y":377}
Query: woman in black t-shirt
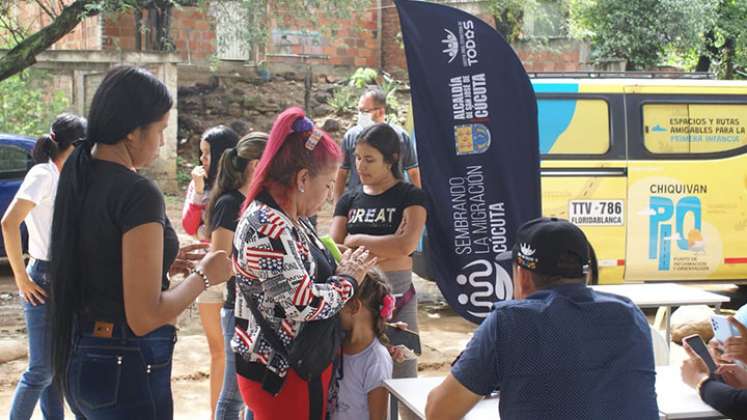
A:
{"x":112,"y":247}
{"x":386,"y":216}
{"x":223,"y":210}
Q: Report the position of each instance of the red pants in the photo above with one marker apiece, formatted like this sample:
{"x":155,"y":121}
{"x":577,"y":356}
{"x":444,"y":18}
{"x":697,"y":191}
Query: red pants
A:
{"x":293,"y":402}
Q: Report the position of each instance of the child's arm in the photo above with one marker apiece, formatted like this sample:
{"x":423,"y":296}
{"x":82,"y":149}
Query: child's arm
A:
{"x":377,"y":404}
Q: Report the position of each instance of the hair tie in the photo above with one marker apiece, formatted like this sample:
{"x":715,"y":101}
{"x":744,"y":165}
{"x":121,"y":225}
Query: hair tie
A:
{"x":305,"y":127}
{"x":386,"y":310}
{"x":238,"y":161}
{"x":52,"y":136}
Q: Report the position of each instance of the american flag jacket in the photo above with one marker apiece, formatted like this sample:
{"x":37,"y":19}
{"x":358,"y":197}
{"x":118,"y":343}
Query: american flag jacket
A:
{"x":272,"y":261}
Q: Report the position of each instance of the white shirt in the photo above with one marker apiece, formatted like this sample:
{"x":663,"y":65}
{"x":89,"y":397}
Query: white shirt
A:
{"x":40,"y":187}
{"x":361,"y":373}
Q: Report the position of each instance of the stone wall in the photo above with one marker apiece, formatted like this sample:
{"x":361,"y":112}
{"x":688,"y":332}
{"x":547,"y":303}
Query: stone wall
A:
{"x":78,"y":74}
{"x":245,"y":100}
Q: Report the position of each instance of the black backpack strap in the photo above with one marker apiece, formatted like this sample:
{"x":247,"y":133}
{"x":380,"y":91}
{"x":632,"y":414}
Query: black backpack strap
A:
{"x":268,"y":332}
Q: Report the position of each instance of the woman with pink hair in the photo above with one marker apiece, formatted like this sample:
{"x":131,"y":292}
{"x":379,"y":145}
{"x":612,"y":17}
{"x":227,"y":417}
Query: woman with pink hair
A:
{"x":290,"y":290}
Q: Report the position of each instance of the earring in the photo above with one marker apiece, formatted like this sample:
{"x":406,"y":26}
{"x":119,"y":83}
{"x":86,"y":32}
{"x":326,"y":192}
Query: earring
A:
{"x":300,"y":189}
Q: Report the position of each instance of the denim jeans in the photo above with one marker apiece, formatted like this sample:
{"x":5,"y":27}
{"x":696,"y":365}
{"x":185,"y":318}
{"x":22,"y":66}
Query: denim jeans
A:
{"x":230,"y":403}
{"x":36,"y":382}
{"x":123,"y":376}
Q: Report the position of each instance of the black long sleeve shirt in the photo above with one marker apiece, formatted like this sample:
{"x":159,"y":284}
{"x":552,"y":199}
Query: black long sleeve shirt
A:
{"x":730,"y":401}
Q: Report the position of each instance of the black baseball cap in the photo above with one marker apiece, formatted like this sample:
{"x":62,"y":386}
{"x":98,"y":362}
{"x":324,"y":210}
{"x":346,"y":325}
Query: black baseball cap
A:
{"x":550,"y":246}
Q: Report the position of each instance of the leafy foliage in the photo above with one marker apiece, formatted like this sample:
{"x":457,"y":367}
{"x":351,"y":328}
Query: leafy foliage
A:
{"x":362,"y":77}
{"x":25,"y":107}
{"x":641,"y":31}
{"x":344,"y":99}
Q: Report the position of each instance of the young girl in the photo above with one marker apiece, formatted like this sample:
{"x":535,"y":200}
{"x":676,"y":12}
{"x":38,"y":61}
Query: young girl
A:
{"x":365,"y":360}
{"x":34,"y":203}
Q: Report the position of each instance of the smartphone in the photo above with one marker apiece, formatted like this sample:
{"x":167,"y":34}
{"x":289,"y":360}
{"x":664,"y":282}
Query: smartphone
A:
{"x":722,"y":328}
{"x":409,"y":339}
{"x":696,"y":343}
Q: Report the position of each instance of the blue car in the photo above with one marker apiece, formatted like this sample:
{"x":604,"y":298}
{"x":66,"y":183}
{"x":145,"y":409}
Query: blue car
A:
{"x":15,"y":161}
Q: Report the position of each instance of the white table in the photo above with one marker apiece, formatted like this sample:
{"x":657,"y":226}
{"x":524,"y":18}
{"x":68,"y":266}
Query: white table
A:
{"x":664,"y":295}
{"x":413,"y":393}
{"x":676,"y":400}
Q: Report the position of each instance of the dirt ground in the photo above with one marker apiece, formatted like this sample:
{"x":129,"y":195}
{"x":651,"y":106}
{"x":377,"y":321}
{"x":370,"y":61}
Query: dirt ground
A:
{"x":443,"y":334}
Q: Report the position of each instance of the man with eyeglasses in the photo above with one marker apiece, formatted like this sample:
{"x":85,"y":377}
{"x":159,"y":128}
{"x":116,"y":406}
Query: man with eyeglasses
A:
{"x":372,"y":110}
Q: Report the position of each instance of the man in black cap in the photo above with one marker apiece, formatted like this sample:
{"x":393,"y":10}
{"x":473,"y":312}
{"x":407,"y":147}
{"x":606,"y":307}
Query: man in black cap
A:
{"x":560,"y":350}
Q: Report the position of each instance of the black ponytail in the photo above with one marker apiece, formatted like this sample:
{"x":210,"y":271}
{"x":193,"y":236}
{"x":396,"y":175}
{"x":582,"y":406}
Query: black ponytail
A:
{"x":232,"y":170}
{"x":67,"y":130}
{"x":128,"y":98}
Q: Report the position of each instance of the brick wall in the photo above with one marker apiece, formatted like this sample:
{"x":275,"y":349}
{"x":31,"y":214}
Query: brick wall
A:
{"x":193,"y":33}
{"x":349,"y":42}
{"x":392,"y":52}
{"x":559,"y":56}
{"x":118,"y":32}
{"x":393,"y":58}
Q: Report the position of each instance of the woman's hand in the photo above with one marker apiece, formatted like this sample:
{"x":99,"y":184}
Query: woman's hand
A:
{"x":733,"y":375}
{"x":735,"y":347}
{"x":186,"y":259}
{"x":717,"y":350}
{"x":30,"y":292}
{"x":198,"y":177}
{"x":356,"y":264}
{"x":217,"y":267}
{"x":693,"y":368}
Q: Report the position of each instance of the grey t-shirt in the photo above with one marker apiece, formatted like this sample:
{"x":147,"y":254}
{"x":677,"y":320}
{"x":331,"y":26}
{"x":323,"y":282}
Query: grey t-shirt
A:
{"x":408,"y":157}
{"x":361,"y":373}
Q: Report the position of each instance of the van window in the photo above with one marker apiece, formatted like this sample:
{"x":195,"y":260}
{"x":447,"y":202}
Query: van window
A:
{"x":573,"y":126}
{"x":694,"y":128}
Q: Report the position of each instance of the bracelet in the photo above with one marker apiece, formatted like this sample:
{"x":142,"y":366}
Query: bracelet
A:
{"x":701,"y":382}
{"x":204,"y":276}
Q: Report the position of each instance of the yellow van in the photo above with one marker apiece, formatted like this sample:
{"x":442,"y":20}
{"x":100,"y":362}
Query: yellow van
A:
{"x":653,"y":170}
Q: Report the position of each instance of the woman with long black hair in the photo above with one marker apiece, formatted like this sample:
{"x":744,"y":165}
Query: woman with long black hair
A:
{"x":34,"y":204}
{"x":214,"y":142}
{"x":112,"y":247}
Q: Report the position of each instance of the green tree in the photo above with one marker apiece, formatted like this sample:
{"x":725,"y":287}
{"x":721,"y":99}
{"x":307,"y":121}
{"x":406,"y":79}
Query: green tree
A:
{"x":725,"y":42}
{"x":25,"y":107}
{"x":511,"y":17}
{"x":642,"y":31}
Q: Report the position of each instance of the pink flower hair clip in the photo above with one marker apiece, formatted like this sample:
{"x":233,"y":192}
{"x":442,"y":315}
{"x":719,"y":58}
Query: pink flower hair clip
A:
{"x":386,"y":310}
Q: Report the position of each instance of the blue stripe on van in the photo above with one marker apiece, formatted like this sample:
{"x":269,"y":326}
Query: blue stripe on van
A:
{"x":553,"y":118}
{"x":540,"y":87}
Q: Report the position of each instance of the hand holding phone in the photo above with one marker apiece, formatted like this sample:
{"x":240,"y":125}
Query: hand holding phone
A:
{"x":697,"y":345}
{"x":722,"y":328}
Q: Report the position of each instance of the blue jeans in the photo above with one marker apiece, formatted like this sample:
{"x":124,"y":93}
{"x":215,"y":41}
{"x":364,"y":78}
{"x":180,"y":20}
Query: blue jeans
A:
{"x":36,"y":382}
{"x":230,"y":403}
{"x":123,"y":376}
